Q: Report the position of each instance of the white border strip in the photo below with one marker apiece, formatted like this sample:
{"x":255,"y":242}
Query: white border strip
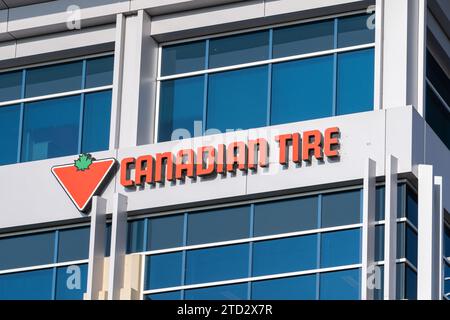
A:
{"x":44,"y":266}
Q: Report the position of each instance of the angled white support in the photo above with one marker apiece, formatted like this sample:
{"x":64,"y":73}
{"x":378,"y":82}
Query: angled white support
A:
{"x":96,"y":248}
{"x":368,"y":230}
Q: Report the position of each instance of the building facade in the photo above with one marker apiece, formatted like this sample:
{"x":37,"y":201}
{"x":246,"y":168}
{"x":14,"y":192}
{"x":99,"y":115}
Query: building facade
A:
{"x":225,"y":149}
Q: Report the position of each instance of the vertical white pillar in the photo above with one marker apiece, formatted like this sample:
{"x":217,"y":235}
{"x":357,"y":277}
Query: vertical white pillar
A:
{"x":118,"y":246}
{"x":368,"y":229}
{"x":439,"y":231}
{"x":379,"y":39}
{"x":96,"y":248}
{"x":390,"y":229}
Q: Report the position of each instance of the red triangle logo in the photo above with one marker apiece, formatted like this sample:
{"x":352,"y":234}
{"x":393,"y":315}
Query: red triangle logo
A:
{"x":84,"y":178}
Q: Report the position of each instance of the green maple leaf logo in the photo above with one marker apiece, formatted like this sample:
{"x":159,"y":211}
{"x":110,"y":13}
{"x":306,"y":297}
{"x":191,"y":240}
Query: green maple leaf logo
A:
{"x":84,"y":162}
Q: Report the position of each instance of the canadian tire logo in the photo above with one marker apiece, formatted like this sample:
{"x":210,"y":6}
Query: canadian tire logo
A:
{"x":84,"y":178}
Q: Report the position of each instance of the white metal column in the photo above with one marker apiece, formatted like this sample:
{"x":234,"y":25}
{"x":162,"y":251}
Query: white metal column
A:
{"x":439,"y":204}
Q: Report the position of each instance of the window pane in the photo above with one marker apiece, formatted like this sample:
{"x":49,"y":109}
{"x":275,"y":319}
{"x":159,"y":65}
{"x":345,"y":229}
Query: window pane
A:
{"x":411,"y":206}
{"x":73,"y":244}
{"x":355,"y":82}
{"x":53,"y":79}
{"x":27,"y":250}
{"x":163,"y":270}
{"x":230,"y":292}
{"x":99,"y":72}
{"x":96,"y":121}
{"x":10,"y":86}
{"x":354,"y":30}
{"x":438,"y":77}
{"x":51,"y":128}
{"x":183,"y":58}
{"x":216,"y":264}
{"x":401,"y":240}
{"x":165,"y":232}
{"x":173,"y":295}
{"x":286,"y":216}
{"x":31,"y":285}
{"x":401,"y":195}
{"x":379,"y":243}
{"x":341,"y":285}
{"x":181,"y":105}
{"x":9,"y":140}
{"x":71,"y":282}
{"x":239,"y":49}
{"x":302,"y":90}
{"x":341,"y":248}
{"x":410,"y":284}
{"x":437,"y":116}
{"x":108,"y":239}
{"x":135,"y":241}
{"x":378,"y":291}
{"x":379,"y":204}
{"x":400,"y":279}
{"x":295,"y":288}
{"x":447,"y":241}
{"x":343,"y":208}
{"x":411,"y":246}
{"x":303,"y":38}
{"x":237,"y":99}
{"x":219,"y":225}
{"x":285,"y":255}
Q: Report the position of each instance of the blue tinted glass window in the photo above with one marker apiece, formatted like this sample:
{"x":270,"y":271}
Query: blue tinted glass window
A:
{"x":9,"y":140}
{"x":285,"y":255}
{"x":401,"y":195}
{"x":400,"y":279}
{"x":379,"y":243}
{"x":229,"y":292}
{"x":183,"y":58}
{"x":73,"y":244}
{"x":303,"y":38}
{"x":165,"y":232}
{"x":219,"y":225}
{"x":10,"y":86}
{"x":295,"y":288}
{"x":239,"y":49}
{"x":411,"y":207}
{"x":341,"y":208}
{"x":31,"y":285}
{"x":302,"y":90}
{"x":379,"y":204}
{"x":71,"y":282}
{"x":355,"y":82}
{"x":216,"y":264}
{"x":27,"y":250}
{"x":96,"y":121}
{"x":447,"y":241}
{"x":108,"y":239}
{"x":437,"y":116}
{"x":51,"y":128}
{"x":135,"y":236}
{"x":411,"y":245}
{"x":438,"y":77}
{"x":378,"y":292}
{"x":173,"y":295}
{"x":401,"y":240}
{"x":286,"y":216}
{"x":163,"y":270}
{"x":340,"y":285}
{"x":53,"y":79}
{"x":341,"y":248}
{"x":410,"y":284}
{"x":99,"y":72}
{"x":181,"y":104}
{"x":355,"y":30}
{"x":233,"y":92}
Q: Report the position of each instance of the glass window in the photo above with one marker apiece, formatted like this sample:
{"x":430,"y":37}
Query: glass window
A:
{"x":229,"y":292}
{"x":73,"y":244}
{"x":400,"y":279}
{"x":96,"y":121}
{"x":165,"y":232}
{"x":219,"y":225}
{"x":31,"y":285}
{"x":355,"y":30}
{"x":285,"y":255}
{"x":108,"y":239}
{"x":302,"y":90}
{"x":51,"y":128}
{"x":181,"y":104}
{"x":303,"y":38}
{"x":355,"y":91}
{"x":234,"y":95}
{"x":183,"y":58}
{"x":447,"y":241}
{"x":135,"y":236}
{"x":339,"y":209}
{"x":411,"y":207}
{"x":401,"y":195}
{"x":9,"y":140}
{"x":379,"y":243}
{"x":294,"y":288}
{"x":340,"y":248}
{"x":401,"y":240}
{"x":10,"y":85}
{"x":286,"y":216}
{"x":340,"y":285}
{"x":437,"y":116}
{"x":53,"y":79}
{"x":216,"y":264}
{"x":237,"y":49}
{"x":410,"y":284}
{"x":379,"y":204}
{"x":27,"y":250}
{"x":378,"y":291}
{"x":411,"y":245}
{"x":437,"y":76}
{"x":172,"y":295}
{"x":71,"y":282}
{"x":99,"y":72}
{"x":163,"y":270}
